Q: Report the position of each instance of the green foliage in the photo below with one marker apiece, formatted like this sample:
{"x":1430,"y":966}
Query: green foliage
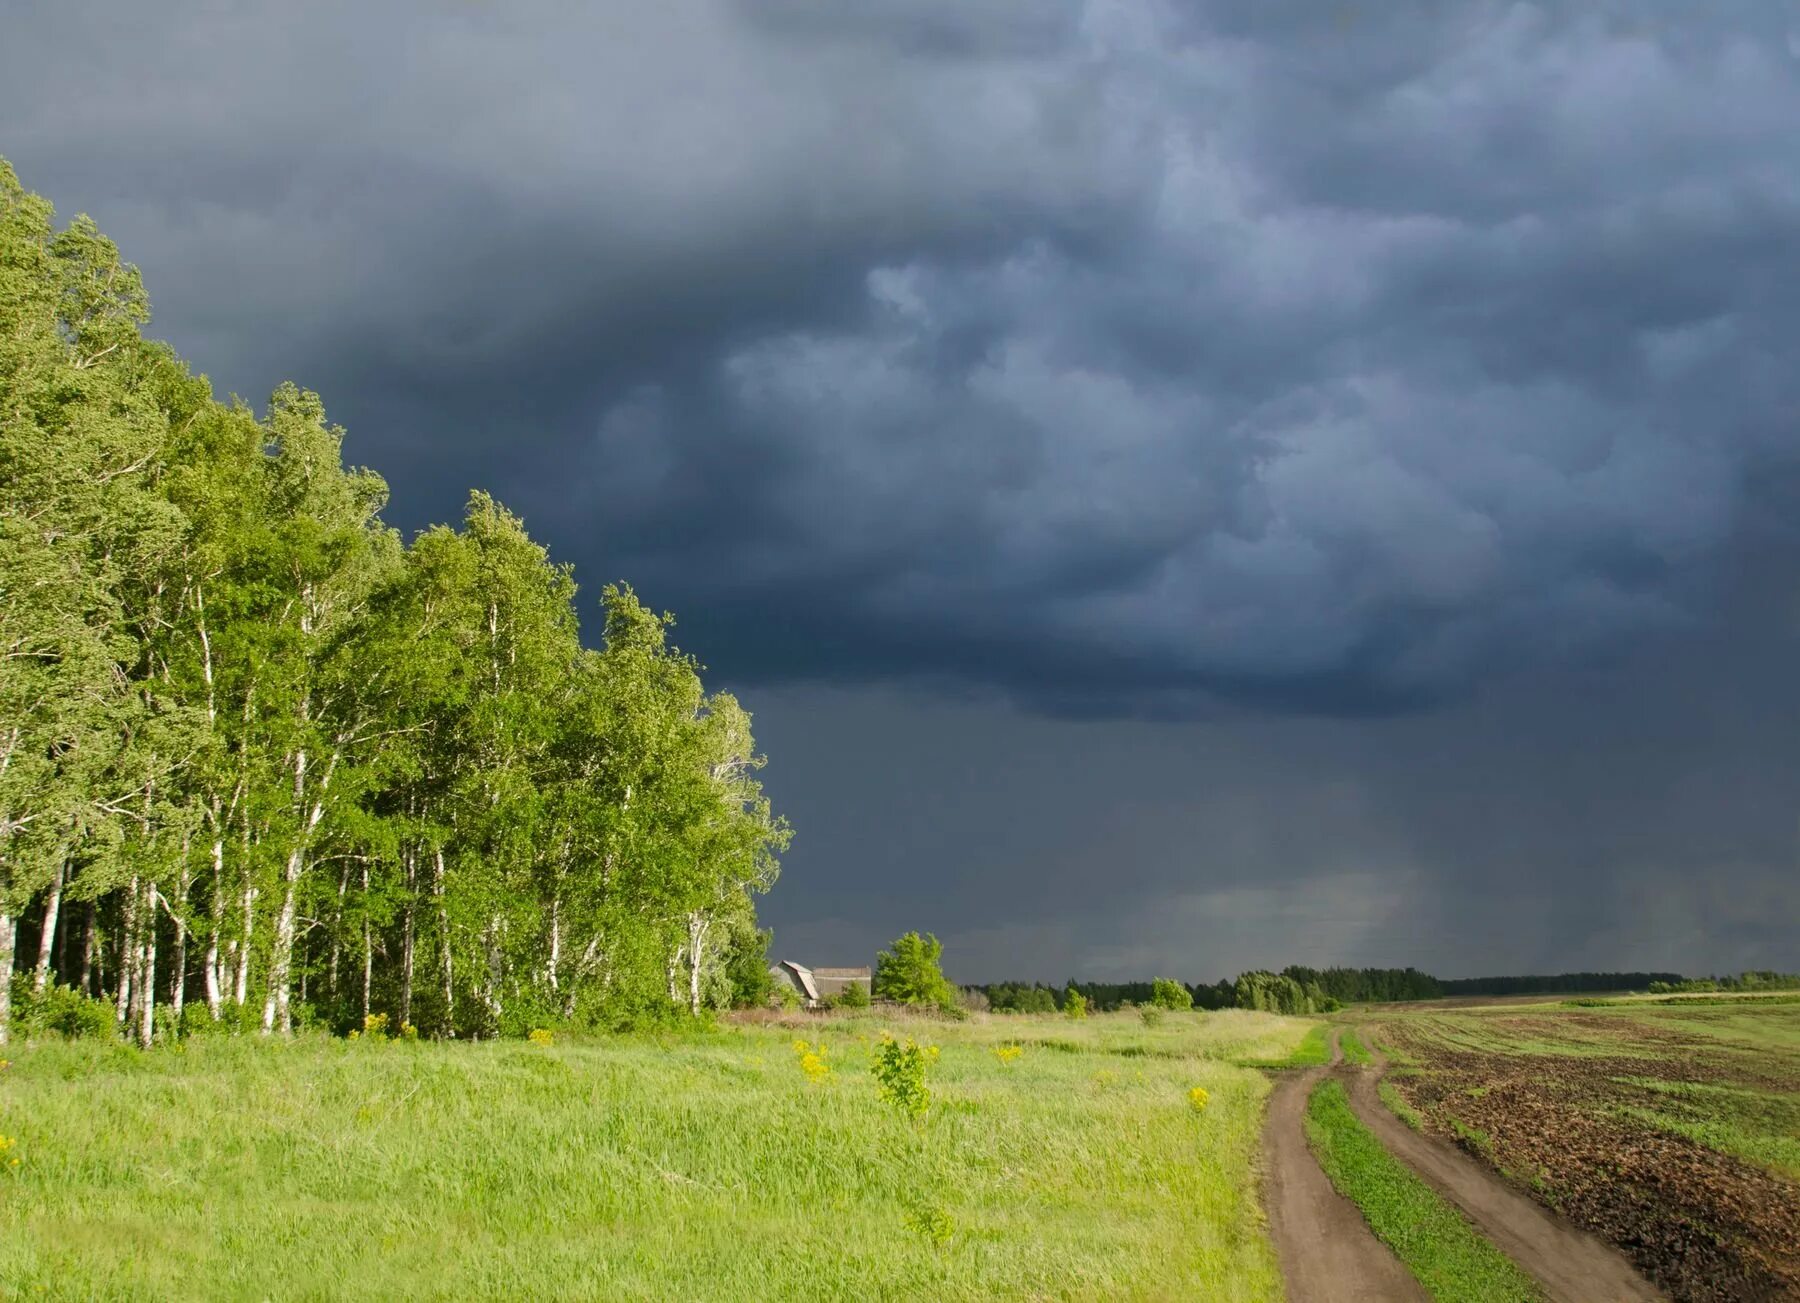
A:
{"x":910,"y":973}
{"x":899,"y":1069}
{"x":747,"y":967}
{"x":1450,"y":1258}
{"x":1016,"y":997}
{"x":1353,"y":1049}
{"x":1075,"y":1004}
{"x":251,"y":722}
{"x":854,"y":996}
{"x":1167,"y":993}
{"x":60,"y":1011}
{"x":1754,"y":980}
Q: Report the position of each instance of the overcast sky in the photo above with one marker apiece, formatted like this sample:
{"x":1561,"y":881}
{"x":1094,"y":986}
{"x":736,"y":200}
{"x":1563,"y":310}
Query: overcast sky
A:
{"x":1181,"y":486}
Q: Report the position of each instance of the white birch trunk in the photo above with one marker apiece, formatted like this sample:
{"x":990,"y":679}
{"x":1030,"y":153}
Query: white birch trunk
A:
{"x":278,"y":1004}
{"x":47,"y":942}
{"x":407,"y":942}
{"x":368,"y":947}
{"x":241,"y":980}
{"x":215,"y":974}
{"x":87,"y":951}
{"x":698,"y":926}
{"x":146,"y":983}
{"x":8,"y":929}
{"x":127,"y":947}
{"x":178,"y":972}
{"x":449,"y":959}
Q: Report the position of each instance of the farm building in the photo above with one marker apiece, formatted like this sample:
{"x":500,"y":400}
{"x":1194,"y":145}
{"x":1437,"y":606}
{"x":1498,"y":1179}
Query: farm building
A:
{"x":817,"y":985}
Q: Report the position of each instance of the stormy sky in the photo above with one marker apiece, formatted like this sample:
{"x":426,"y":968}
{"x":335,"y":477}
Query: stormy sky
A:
{"x":1181,"y":486}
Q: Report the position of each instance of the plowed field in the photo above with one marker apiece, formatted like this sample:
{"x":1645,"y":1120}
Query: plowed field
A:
{"x":1672,"y":1131}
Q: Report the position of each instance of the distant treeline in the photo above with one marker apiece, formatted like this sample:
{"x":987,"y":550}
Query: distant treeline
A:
{"x":1555,"y":983}
{"x":1295,"y":989}
{"x":1749,"y":981}
{"x":1299,"y":989}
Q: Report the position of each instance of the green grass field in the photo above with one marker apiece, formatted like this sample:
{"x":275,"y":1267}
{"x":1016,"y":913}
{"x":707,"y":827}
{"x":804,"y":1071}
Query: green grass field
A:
{"x":1451,"y":1259}
{"x":696,"y":1166}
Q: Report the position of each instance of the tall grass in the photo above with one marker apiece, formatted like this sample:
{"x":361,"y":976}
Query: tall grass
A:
{"x":693,"y":1166}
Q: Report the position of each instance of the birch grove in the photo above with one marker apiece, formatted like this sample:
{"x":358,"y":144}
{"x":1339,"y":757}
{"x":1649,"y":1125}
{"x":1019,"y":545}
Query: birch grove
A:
{"x":265,"y":764}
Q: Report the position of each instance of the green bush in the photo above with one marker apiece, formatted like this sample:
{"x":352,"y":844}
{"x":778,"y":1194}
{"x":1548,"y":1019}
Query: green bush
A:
{"x":899,"y":1069}
{"x":60,"y":1011}
{"x":1075,"y":1004}
{"x":1167,"y":993}
{"x":910,"y":973}
{"x":853,"y":996}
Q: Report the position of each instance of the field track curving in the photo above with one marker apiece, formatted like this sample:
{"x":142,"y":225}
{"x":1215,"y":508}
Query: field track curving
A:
{"x":1327,"y":1252}
{"x":1571,"y":1265}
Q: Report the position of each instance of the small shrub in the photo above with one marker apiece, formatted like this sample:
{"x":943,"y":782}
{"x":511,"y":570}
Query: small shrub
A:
{"x":853,"y":996}
{"x":61,"y":1011}
{"x":899,"y":1069}
{"x":1167,"y":993}
{"x":930,"y":1221}
{"x":1151,"y":1015}
{"x":1075,"y":1004}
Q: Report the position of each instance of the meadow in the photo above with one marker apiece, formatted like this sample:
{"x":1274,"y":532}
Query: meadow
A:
{"x":1670,"y":1127}
{"x":715,"y":1164}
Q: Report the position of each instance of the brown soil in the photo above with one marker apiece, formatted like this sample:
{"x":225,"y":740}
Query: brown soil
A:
{"x":1571,"y":1265}
{"x":1328,"y":1253}
{"x":1704,"y":1226}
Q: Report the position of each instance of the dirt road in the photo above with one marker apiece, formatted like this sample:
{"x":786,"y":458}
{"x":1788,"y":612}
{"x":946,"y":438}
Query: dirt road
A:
{"x":1571,"y":1265}
{"x":1328,"y":1253}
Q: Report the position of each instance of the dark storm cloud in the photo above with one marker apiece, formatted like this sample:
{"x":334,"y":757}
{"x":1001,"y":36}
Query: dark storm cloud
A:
{"x":1311,"y":356}
{"x":1283,"y":364}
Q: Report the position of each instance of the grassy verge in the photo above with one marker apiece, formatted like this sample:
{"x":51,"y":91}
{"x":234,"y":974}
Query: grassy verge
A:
{"x":696,"y":1166}
{"x":1450,"y":1258}
{"x":1313,"y":1050}
{"x":1354,"y":1051}
{"x":1398,"y":1105}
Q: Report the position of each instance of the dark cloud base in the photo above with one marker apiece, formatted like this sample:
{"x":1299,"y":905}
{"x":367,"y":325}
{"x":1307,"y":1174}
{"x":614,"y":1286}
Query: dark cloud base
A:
{"x":1300,"y":377}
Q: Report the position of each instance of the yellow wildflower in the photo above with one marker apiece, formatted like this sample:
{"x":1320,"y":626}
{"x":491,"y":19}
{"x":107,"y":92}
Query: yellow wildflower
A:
{"x":1197,"y":1098}
{"x":540,"y":1036}
{"x":1008,"y":1053}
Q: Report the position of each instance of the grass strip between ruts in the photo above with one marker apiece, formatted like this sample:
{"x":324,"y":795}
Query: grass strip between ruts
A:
{"x":1438,"y":1245}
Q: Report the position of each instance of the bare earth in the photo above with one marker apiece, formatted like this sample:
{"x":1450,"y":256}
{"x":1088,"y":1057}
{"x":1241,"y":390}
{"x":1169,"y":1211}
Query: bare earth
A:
{"x":1571,"y":1265}
{"x":1328,"y":1253}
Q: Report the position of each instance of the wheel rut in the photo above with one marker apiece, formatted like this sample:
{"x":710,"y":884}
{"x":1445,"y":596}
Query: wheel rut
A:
{"x":1571,"y":1265}
{"x":1327,"y":1252}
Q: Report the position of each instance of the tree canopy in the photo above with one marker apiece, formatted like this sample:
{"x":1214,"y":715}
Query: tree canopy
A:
{"x":259,"y":753}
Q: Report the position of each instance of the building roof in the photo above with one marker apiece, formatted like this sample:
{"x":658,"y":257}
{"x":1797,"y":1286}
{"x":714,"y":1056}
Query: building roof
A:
{"x":843,"y":974}
{"x":803,"y":976}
